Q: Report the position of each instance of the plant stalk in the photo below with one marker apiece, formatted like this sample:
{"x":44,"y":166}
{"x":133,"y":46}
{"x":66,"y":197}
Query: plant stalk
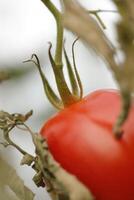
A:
{"x":57,"y":64}
{"x":59,"y":43}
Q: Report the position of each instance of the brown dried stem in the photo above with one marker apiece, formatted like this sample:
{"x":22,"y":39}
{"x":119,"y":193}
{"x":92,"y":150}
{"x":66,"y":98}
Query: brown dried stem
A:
{"x":76,"y":16}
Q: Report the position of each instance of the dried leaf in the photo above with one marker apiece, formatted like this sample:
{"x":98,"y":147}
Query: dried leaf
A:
{"x":6,"y":195}
{"x":60,"y":183}
{"x":76,"y":16}
{"x":125,"y":29}
{"x":9,"y":177}
{"x":27,"y":160}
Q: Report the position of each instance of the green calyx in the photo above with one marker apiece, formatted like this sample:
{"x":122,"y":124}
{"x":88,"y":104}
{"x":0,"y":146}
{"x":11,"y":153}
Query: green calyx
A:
{"x":67,"y":96}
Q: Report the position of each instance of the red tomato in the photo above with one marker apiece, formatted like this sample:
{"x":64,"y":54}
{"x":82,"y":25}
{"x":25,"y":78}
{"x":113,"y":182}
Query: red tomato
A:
{"x":81,"y":139}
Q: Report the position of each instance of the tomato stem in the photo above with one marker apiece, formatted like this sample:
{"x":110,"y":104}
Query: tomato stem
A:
{"x":64,"y":91}
{"x":67,"y":97}
{"x":59,"y":43}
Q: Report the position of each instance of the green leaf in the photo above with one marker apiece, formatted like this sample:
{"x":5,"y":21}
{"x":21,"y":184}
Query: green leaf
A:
{"x":9,"y":177}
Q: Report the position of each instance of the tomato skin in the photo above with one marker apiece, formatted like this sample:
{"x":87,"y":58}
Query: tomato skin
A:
{"x":81,"y":139}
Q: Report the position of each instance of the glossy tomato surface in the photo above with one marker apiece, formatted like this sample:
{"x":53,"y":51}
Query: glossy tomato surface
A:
{"x":81,"y":139}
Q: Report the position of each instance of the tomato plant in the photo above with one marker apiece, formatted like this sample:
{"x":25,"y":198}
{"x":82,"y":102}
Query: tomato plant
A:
{"x":81,"y":139}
